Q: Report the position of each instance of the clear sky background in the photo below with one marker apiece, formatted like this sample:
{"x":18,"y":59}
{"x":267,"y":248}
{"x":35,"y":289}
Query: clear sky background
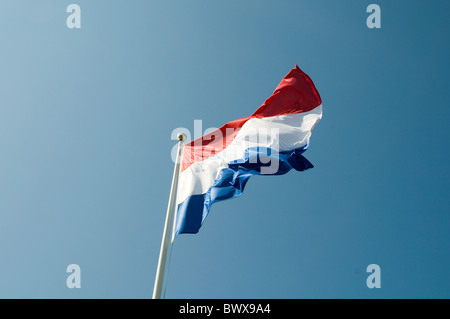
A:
{"x":86,"y":117}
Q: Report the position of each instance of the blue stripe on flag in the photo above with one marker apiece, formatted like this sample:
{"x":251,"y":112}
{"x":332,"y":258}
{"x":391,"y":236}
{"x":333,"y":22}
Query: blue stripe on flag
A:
{"x":230,"y":183}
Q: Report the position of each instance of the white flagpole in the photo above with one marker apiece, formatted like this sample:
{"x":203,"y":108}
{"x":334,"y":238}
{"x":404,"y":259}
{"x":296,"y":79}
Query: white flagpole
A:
{"x":169,"y":216}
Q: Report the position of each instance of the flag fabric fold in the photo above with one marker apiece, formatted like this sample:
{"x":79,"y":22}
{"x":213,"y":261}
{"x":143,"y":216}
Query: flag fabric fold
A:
{"x":271,"y":141}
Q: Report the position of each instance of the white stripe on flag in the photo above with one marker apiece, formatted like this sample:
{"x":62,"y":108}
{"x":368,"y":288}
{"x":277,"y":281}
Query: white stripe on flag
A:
{"x":292,"y":132}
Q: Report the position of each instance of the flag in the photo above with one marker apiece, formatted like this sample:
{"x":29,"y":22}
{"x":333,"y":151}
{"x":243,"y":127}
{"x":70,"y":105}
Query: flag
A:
{"x":271,"y":141}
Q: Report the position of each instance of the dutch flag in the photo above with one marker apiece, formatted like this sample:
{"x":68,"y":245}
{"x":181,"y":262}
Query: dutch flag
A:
{"x":271,"y":141}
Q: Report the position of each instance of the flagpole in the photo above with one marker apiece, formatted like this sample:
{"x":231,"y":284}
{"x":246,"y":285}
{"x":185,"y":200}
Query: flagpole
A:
{"x":169,"y":216}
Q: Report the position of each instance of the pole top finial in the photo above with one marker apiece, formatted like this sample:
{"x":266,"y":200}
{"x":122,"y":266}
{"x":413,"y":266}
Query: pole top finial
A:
{"x":181,"y":137}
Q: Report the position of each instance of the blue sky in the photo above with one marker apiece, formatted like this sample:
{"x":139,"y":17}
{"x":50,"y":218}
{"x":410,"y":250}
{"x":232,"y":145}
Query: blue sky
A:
{"x":86,"y":117}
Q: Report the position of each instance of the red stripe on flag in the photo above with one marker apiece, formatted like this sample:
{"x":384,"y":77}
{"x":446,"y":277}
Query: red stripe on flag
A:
{"x":296,"y":93}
